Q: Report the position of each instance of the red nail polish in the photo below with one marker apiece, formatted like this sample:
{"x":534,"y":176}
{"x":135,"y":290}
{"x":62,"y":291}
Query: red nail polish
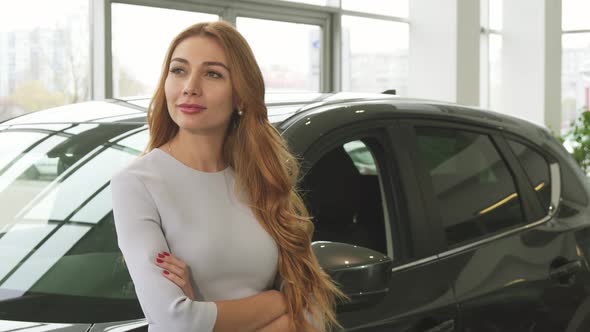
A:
{"x":159,"y":260}
{"x":167,"y":254}
{"x":166,"y":272}
{"x":160,"y":255}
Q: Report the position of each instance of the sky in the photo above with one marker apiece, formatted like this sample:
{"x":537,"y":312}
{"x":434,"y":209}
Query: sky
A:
{"x":23,"y":14}
{"x":141,"y":34}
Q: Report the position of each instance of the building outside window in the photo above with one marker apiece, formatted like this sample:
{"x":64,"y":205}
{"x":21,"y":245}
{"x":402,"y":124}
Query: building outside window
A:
{"x":44,"y":57}
{"x":139,"y":48}
{"x":575,"y":72}
{"x":491,"y":55}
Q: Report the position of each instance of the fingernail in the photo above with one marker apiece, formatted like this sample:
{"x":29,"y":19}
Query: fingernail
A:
{"x":161,"y":256}
{"x":166,"y":272}
{"x":167,"y":254}
{"x":159,"y":260}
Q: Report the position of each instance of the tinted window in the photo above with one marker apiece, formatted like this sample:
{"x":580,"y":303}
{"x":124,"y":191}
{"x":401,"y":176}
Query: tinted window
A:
{"x":474,"y":189}
{"x":61,"y":261}
{"x":343,"y":194}
{"x":537,"y":170}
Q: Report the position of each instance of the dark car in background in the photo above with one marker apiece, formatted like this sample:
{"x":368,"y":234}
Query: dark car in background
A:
{"x":431,"y":216}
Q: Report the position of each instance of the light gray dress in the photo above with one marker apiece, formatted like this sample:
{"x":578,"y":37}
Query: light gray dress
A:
{"x":160,"y":204}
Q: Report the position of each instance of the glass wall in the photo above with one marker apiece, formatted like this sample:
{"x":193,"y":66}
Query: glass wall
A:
{"x":374,"y":55}
{"x":139,"y":48}
{"x":48,"y":55}
{"x":44,"y":55}
{"x":491,"y":55}
{"x":399,"y":8}
{"x":575,"y":69}
{"x":288,"y":64}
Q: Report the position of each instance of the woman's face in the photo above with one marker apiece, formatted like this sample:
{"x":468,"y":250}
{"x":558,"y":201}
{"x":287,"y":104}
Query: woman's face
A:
{"x":198,"y":87}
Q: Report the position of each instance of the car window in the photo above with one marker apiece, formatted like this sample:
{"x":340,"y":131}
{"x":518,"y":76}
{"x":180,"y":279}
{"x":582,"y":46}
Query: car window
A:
{"x":343,"y":193}
{"x":537,"y":169}
{"x":473,"y":188}
{"x":57,"y":231}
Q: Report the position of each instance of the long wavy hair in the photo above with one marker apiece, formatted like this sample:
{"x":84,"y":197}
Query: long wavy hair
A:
{"x":266,"y":171}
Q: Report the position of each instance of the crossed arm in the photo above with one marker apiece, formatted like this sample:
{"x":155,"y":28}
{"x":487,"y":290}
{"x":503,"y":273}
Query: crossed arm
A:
{"x":166,"y":307}
{"x":264,"y":312}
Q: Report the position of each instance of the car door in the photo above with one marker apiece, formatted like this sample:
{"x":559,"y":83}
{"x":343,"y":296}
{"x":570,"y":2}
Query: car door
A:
{"x":500,"y":247}
{"x":361,"y":192}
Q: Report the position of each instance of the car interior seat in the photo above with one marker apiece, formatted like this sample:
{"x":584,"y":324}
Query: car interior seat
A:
{"x":333,"y":193}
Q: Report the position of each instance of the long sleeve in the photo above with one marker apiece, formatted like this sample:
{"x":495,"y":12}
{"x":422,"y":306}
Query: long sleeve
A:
{"x":140,"y":238}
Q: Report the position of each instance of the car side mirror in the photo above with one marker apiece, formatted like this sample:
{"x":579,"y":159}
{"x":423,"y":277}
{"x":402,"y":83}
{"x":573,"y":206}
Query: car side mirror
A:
{"x":361,"y":273}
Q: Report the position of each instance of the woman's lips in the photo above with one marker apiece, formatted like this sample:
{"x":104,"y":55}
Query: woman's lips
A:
{"x":191,"y":108}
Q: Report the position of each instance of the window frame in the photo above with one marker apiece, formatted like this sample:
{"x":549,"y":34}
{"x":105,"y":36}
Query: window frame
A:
{"x":396,"y":234}
{"x":530,"y":205}
{"x":549,"y":159}
{"x":322,"y":20}
{"x":328,"y":17}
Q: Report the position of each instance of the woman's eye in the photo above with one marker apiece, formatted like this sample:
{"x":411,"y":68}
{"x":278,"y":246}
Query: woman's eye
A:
{"x":213,"y":74}
{"x":176,"y":70}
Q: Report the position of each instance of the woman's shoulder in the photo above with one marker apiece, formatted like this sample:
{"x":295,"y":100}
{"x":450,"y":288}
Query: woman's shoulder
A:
{"x":142,"y":167}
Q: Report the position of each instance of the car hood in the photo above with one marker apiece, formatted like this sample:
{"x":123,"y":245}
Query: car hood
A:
{"x":125,"y":326}
{"x":9,"y":325}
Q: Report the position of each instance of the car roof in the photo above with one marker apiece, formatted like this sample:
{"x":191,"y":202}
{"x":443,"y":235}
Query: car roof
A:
{"x":280,"y":106}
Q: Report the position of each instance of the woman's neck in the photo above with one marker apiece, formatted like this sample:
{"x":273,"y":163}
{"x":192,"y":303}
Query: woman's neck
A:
{"x":201,"y":152}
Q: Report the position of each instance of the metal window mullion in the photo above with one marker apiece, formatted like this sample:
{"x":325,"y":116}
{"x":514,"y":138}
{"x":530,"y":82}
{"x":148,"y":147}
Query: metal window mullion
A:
{"x":229,"y":15}
{"x":283,"y":5}
{"x":277,"y":15}
{"x":325,"y":83}
{"x":485,"y":70}
{"x":108,"y":50}
{"x":325,"y":57}
{"x":575,"y":31}
{"x":389,"y":18}
{"x":334,"y":66}
{"x":101,"y":61}
{"x":201,"y":6}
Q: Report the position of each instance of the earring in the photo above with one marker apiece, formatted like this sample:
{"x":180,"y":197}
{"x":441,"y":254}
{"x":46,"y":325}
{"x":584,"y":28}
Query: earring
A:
{"x":240,"y":112}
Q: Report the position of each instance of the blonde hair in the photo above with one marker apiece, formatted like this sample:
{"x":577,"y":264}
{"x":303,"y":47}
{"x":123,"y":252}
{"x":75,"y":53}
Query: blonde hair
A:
{"x":266,"y":171}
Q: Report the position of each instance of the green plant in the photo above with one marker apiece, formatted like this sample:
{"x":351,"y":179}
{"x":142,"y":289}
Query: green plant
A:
{"x":579,"y":138}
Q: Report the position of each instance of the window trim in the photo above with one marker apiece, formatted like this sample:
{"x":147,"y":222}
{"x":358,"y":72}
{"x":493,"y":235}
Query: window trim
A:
{"x":532,"y":206}
{"x":521,"y":183}
{"x":396,"y":245}
{"x":497,"y":138}
{"x":554,"y":171}
{"x":546,"y":157}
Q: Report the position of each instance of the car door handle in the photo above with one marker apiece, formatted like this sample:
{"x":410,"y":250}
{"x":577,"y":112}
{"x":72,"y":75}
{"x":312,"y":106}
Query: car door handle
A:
{"x":566,"y":269}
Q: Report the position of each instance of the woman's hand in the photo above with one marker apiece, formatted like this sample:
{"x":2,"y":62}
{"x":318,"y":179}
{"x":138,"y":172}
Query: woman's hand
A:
{"x":177,"y":271}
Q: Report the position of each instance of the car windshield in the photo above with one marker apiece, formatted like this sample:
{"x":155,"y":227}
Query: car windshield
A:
{"x":60,"y":259}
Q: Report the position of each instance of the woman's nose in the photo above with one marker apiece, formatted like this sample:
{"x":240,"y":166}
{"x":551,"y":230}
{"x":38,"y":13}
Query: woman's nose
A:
{"x":192,"y":86}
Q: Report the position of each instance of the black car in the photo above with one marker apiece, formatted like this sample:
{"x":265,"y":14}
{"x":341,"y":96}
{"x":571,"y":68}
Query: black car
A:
{"x":431,"y":216}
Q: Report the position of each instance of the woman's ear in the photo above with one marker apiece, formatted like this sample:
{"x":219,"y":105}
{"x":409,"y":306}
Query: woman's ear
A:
{"x":236,"y":103}
{"x":238,"y":108}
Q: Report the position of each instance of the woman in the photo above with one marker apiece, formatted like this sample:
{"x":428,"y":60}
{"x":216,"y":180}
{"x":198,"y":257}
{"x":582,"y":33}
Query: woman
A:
{"x":216,"y":187}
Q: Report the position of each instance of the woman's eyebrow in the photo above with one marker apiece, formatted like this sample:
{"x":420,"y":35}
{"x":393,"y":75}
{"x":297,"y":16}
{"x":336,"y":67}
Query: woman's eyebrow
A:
{"x":206,"y":63}
{"x":216,"y":63}
{"x":179,"y":60}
